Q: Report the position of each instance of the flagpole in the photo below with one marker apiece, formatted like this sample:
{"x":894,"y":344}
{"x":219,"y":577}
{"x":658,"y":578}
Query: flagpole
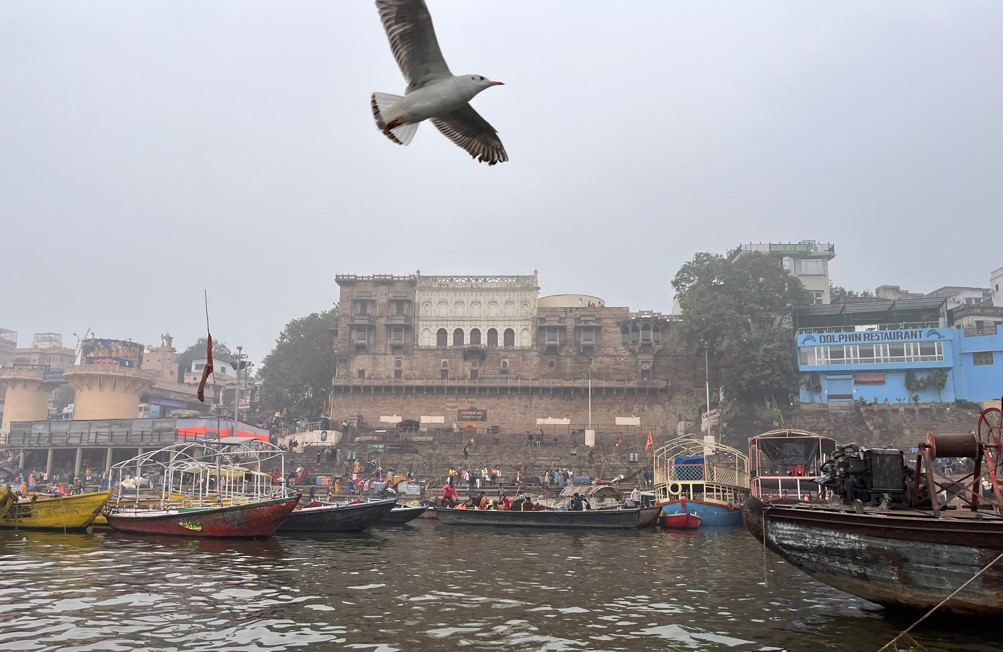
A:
{"x":208,"y":366}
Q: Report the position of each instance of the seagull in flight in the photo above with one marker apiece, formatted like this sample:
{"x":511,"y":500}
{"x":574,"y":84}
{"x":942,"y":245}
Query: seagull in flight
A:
{"x":433,"y":92}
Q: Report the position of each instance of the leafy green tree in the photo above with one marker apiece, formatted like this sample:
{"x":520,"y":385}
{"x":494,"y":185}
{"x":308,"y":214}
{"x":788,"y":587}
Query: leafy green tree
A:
{"x":764,"y":368}
{"x":220,"y":351}
{"x":296,"y":375}
{"x":742,"y":307}
{"x":838,"y":293}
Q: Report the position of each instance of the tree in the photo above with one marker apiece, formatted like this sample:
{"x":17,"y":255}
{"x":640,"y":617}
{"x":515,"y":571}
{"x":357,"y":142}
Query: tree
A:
{"x":296,"y":375}
{"x":837,"y":294}
{"x":742,"y":307}
{"x":764,"y":368}
{"x":220,"y":352}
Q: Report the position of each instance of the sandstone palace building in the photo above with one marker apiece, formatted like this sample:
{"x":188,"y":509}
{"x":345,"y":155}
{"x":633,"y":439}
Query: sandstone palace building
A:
{"x":487,"y":354}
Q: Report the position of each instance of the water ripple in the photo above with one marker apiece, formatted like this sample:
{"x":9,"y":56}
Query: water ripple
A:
{"x":428,"y":587}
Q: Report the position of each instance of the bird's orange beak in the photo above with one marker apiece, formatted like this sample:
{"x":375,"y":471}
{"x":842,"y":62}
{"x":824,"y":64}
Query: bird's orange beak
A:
{"x":494,"y":83}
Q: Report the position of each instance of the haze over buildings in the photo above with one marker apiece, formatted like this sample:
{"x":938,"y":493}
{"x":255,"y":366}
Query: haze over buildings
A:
{"x":154,"y":150}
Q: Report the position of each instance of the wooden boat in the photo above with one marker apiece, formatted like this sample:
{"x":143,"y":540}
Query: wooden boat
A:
{"x":685,"y":519}
{"x":41,"y":512}
{"x":253,"y":519}
{"x":649,"y":516}
{"x":681,"y":521}
{"x":703,"y":477}
{"x":894,"y":539}
{"x":588,"y":519}
{"x":7,"y":499}
{"x":402,"y":514}
{"x":333,"y":517}
{"x":212,"y":488}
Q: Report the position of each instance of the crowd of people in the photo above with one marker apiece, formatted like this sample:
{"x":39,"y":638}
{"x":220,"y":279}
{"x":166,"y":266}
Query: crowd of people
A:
{"x":522,"y":502}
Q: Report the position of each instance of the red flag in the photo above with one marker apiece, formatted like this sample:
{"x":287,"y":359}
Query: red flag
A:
{"x":207,"y":370}
{"x":649,"y":444}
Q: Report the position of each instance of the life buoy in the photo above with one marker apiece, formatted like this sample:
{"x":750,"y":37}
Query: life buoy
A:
{"x":674,"y":488}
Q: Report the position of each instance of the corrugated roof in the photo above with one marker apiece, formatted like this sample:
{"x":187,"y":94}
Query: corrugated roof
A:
{"x":868,"y":312}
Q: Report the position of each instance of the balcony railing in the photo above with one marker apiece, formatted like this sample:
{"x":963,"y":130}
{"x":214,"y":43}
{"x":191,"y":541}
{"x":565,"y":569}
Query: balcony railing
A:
{"x":877,"y":327}
{"x":504,"y":381}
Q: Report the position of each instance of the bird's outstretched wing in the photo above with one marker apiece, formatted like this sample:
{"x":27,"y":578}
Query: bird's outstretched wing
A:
{"x":469,"y":130}
{"x":412,"y":40}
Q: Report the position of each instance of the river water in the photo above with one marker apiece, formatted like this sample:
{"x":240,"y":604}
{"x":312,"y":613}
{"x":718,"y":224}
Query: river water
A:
{"x":428,"y":586}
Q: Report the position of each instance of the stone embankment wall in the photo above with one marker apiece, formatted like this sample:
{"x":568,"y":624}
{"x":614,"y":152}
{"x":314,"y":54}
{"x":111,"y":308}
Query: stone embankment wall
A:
{"x":430,"y":461}
{"x":886,"y":426}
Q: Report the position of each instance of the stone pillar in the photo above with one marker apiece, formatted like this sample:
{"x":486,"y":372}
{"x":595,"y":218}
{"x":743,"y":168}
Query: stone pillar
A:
{"x":77,"y":463}
{"x":107,"y":391}
{"x":27,"y":396}
{"x":48,"y":463}
{"x":107,"y":466}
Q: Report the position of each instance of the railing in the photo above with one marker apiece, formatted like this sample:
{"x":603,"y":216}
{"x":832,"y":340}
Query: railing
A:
{"x":788,"y":248}
{"x":975,"y":331}
{"x":703,"y":474}
{"x":497,"y":380}
{"x":975,"y":311}
{"x":877,"y":327}
{"x":109,"y":432}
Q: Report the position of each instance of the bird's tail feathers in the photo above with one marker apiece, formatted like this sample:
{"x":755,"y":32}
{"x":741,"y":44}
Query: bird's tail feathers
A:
{"x":402,"y":134}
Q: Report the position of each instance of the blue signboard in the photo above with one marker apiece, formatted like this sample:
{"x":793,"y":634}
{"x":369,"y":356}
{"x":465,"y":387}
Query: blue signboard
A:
{"x":871,"y":337}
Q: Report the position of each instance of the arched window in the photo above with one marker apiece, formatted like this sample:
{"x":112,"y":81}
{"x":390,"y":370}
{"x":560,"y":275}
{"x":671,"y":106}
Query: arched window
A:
{"x":458,"y":337}
{"x":475,"y":337}
{"x":509,"y":337}
{"x":440,"y":337}
{"x":492,"y":337}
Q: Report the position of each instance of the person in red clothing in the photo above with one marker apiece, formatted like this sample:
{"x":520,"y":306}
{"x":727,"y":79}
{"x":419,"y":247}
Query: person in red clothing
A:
{"x":449,"y":496}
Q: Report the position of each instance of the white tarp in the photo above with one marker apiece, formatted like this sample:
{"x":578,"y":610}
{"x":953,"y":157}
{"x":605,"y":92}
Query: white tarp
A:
{"x":432,"y":419}
{"x":549,"y":421}
{"x":391,"y":419}
{"x":628,"y":421}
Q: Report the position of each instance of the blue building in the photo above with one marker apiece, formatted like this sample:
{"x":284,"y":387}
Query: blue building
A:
{"x":901,"y":351}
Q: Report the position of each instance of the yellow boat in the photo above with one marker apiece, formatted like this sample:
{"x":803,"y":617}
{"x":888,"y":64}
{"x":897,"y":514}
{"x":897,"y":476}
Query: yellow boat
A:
{"x":7,"y":499}
{"x":39,"y":512}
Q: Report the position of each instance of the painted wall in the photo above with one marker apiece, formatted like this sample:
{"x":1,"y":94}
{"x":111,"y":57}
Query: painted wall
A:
{"x":885,"y":381}
{"x":982,"y":382}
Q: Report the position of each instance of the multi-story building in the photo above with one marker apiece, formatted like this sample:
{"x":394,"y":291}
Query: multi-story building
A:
{"x":808,"y":260}
{"x":485,"y":352}
{"x":895,"y":352}
{"x":46,"y":352}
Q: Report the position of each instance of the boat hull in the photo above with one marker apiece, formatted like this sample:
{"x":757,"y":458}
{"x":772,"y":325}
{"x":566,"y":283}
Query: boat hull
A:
{"x":402,"y":515}
{"x":75,"y":512}
{"x":351,"y":517}
{"x":905,"y":559}
{"x":590,"y":519}
{"x":7,"y":498}
{"x":681,"y":521}
{"x":256,"y":519}
{"x":649,"y":516}
{"x":711,"y":514}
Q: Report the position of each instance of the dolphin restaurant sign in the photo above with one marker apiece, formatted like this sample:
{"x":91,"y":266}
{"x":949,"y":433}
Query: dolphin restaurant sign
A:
{"x":872,"y":337}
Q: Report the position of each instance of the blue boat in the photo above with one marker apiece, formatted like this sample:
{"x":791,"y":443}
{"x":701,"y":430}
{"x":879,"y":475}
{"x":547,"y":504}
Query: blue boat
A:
{"x":703,"y":477}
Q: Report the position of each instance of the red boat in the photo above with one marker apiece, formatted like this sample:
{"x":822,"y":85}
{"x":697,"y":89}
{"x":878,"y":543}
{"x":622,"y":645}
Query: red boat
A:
{"x":681,"y":521}
{"x":254,"y":519}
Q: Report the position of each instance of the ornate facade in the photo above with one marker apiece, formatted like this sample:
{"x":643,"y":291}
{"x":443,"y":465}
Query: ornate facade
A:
{"x":476,"y":310}
{"x":481,"y":352}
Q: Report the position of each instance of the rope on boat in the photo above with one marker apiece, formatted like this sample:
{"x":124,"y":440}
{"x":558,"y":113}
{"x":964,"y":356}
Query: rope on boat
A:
{"x":940,"y":604}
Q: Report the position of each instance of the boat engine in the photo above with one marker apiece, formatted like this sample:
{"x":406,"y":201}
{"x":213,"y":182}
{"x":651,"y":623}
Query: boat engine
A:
{"x":871,"y":475}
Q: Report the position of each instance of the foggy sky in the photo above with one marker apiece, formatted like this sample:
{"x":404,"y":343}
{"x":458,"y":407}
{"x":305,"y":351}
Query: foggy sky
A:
{"x":150,"y":150}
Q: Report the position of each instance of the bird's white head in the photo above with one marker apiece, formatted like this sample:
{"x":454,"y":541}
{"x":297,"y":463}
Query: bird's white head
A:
{"x":480,"y":82}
